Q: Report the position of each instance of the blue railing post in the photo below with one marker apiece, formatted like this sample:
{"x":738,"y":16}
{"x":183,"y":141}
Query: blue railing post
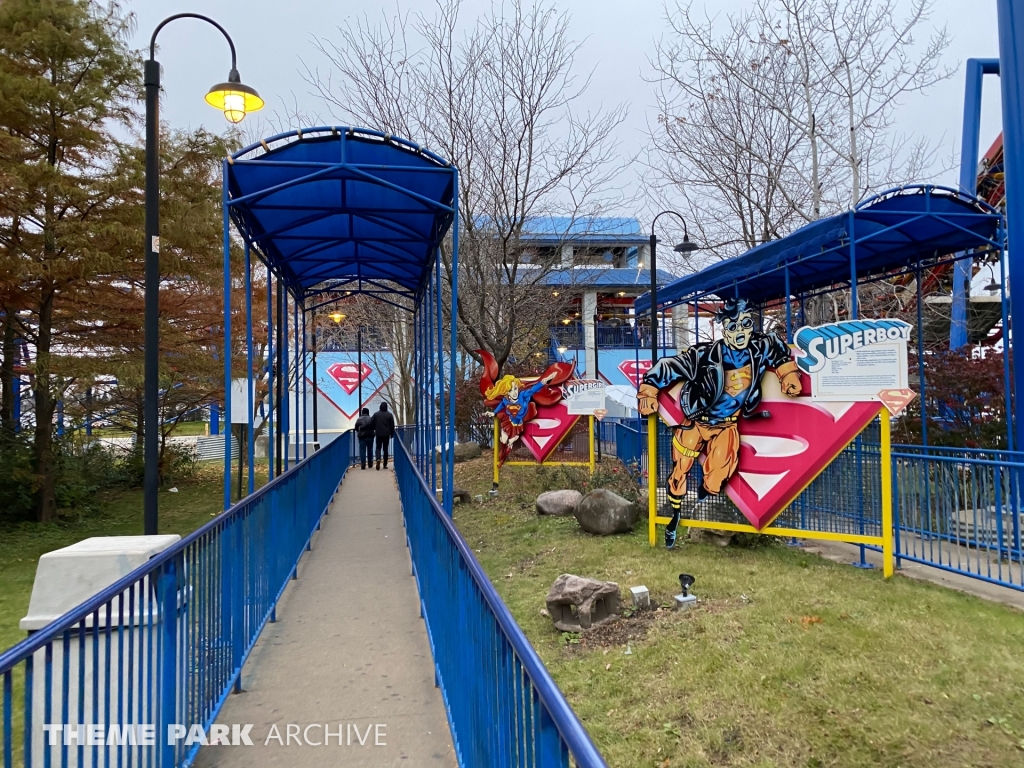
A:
{"x":167,"y":601}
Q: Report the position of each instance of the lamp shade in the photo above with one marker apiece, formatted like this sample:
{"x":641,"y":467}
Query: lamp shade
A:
{"x":235,"y":100}
{"x":686,"y":246}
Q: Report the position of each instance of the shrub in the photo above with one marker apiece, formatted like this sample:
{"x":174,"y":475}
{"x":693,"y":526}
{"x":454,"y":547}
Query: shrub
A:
{"x":608,"y":474}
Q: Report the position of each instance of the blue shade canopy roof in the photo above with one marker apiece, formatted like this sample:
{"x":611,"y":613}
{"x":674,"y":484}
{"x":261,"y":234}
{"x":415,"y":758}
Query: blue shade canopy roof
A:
{"x":582,"y":230}
{"x":338,"y":208}
{"x":597,"y":277}
{"x":890,"y":231}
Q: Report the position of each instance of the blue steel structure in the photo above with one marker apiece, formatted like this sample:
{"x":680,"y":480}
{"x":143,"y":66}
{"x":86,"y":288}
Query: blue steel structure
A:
{"x":976,"y":71}
{"x":335,"y":211}
{"x":166,"y":643}
{"x":332,"y":211}
{"x":1011,"y":82}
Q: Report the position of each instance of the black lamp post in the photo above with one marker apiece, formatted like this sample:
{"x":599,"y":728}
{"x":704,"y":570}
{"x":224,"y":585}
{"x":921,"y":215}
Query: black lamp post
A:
{"x":597,"y":375}
{"x":684,"y":247}
{"x":236,"y":100}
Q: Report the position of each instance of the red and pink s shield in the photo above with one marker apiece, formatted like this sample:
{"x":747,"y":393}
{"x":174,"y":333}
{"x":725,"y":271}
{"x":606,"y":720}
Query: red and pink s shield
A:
{"x":780,"y":455}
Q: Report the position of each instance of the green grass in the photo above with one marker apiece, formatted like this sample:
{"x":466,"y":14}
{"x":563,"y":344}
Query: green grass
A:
{"x":184,"y":429}
{"x":116,"y":513}
{"x":788,"y":659}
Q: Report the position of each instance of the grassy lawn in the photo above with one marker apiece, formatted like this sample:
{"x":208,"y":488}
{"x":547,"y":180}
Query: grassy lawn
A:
{"x":114,"y":514}
{"x":787,"y":660}
{"x":184,"y":429}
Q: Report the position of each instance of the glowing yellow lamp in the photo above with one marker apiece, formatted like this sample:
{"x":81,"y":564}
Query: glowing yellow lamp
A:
{"x":337,"y":317}
{"x":234,"y":99}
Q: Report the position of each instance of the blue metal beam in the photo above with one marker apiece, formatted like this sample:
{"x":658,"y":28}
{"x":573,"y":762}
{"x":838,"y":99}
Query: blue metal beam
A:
{"x":1011,"y":52}
{"x":976,"y":70}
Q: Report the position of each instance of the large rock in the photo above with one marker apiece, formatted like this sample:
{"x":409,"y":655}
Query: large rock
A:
{"x":576,"y":603}
{"x":558,"y":503}
{"x":466,"y":451}
{"x":711,"y":536}
{"x":603,"y":512}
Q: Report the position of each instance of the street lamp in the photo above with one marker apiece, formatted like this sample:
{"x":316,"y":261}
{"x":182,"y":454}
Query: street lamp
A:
{"x":684,"y":247}
{"x":235,"y":100}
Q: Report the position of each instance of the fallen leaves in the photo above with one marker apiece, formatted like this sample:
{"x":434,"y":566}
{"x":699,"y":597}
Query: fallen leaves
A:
{"x":807,"y":621}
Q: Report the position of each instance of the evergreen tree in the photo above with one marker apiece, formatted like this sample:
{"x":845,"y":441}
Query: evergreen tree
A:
{"x":68,"y":84}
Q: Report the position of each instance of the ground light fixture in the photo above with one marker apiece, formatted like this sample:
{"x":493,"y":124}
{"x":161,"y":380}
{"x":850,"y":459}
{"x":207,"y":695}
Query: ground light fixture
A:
{"x":236,"y":101}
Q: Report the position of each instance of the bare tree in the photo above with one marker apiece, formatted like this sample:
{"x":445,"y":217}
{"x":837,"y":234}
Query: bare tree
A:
{"x":497,"y":98}
{"x":799,"y":97}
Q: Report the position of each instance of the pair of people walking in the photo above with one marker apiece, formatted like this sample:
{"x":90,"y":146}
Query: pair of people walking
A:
{"x":379,"y":427}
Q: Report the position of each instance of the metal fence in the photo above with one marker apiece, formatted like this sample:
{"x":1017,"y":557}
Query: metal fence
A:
{"x":573,"y":336}
{"x":574,"y":447}
{"x":844,"y":499}
{"x":958,"y":509}
{"x":503,"y":707}
{"x":628,"y":446}
{"x":165,"y":644}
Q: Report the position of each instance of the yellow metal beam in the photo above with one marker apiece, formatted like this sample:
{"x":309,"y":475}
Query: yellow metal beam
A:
{"x":652,"y":479}
{"x":887,"y":526}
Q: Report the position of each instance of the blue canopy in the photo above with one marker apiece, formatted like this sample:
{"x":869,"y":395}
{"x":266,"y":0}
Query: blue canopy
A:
{"x":607,"y":278}
{"x":886,"y":232}
{"x":582,"y":230}
{"x":340,"y":208}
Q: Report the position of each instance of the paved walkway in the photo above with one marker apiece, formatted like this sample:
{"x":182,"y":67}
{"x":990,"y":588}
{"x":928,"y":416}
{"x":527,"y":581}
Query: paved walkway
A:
{"x":348,"y":650}
{"x":848,"y":553}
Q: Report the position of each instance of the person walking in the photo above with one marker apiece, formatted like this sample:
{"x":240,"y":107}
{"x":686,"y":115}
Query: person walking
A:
{"x":364,"y":433}
{"x":383,"y":429}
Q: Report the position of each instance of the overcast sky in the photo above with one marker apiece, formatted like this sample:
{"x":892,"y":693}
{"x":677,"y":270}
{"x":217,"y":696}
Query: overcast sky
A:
{"x":274,"y":38}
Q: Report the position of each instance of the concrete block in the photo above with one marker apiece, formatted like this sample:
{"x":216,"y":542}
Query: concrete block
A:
{"x":70,"y":576}
{"x":641,"y":596}
{"x":66,"y":578}
{"x":685,"y":602}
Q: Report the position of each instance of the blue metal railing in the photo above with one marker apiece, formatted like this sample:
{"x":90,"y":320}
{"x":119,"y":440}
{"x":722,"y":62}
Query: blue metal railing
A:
{"x":628,"y":446}
{"x":573,"y":336}
{"x":503,"y":707}
{"x":165,"y":644}
{"x":957,"y":509}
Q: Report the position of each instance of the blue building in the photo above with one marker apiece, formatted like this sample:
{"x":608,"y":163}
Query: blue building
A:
{"x":598,"y":266}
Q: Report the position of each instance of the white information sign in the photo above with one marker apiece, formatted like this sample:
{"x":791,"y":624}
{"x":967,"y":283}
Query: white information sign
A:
{"x":854,"y":360}
{"x":583,"y":397}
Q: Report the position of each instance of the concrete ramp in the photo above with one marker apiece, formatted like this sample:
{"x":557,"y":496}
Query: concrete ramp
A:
{"x":347,"y":659}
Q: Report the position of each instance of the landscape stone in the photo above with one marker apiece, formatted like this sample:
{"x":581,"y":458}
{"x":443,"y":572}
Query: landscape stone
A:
{"x":577,"y":603}
{"x":466,"y":451}
{"x":711,"y":536}
{"x":558,"y":503}
{"x":603,"y":513}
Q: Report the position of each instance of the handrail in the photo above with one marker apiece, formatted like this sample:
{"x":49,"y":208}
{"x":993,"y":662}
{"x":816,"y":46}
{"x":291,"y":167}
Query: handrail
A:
{"x":166,"y":643}
{"x":569,"y":727}
{"x":82,"y":611}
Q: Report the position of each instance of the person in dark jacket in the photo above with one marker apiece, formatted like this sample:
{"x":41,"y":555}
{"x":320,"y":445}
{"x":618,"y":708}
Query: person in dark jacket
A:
{"x":364,"y":433}
{"x":383,"y":429}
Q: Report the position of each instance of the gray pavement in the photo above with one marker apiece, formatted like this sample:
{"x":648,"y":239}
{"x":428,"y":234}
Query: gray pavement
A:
{"x":348,"y":650}
{"x":848,"y":553}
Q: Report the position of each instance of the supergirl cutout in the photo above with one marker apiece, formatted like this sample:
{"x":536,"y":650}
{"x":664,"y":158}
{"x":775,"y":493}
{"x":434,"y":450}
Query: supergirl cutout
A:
{"x":527,"y":408}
